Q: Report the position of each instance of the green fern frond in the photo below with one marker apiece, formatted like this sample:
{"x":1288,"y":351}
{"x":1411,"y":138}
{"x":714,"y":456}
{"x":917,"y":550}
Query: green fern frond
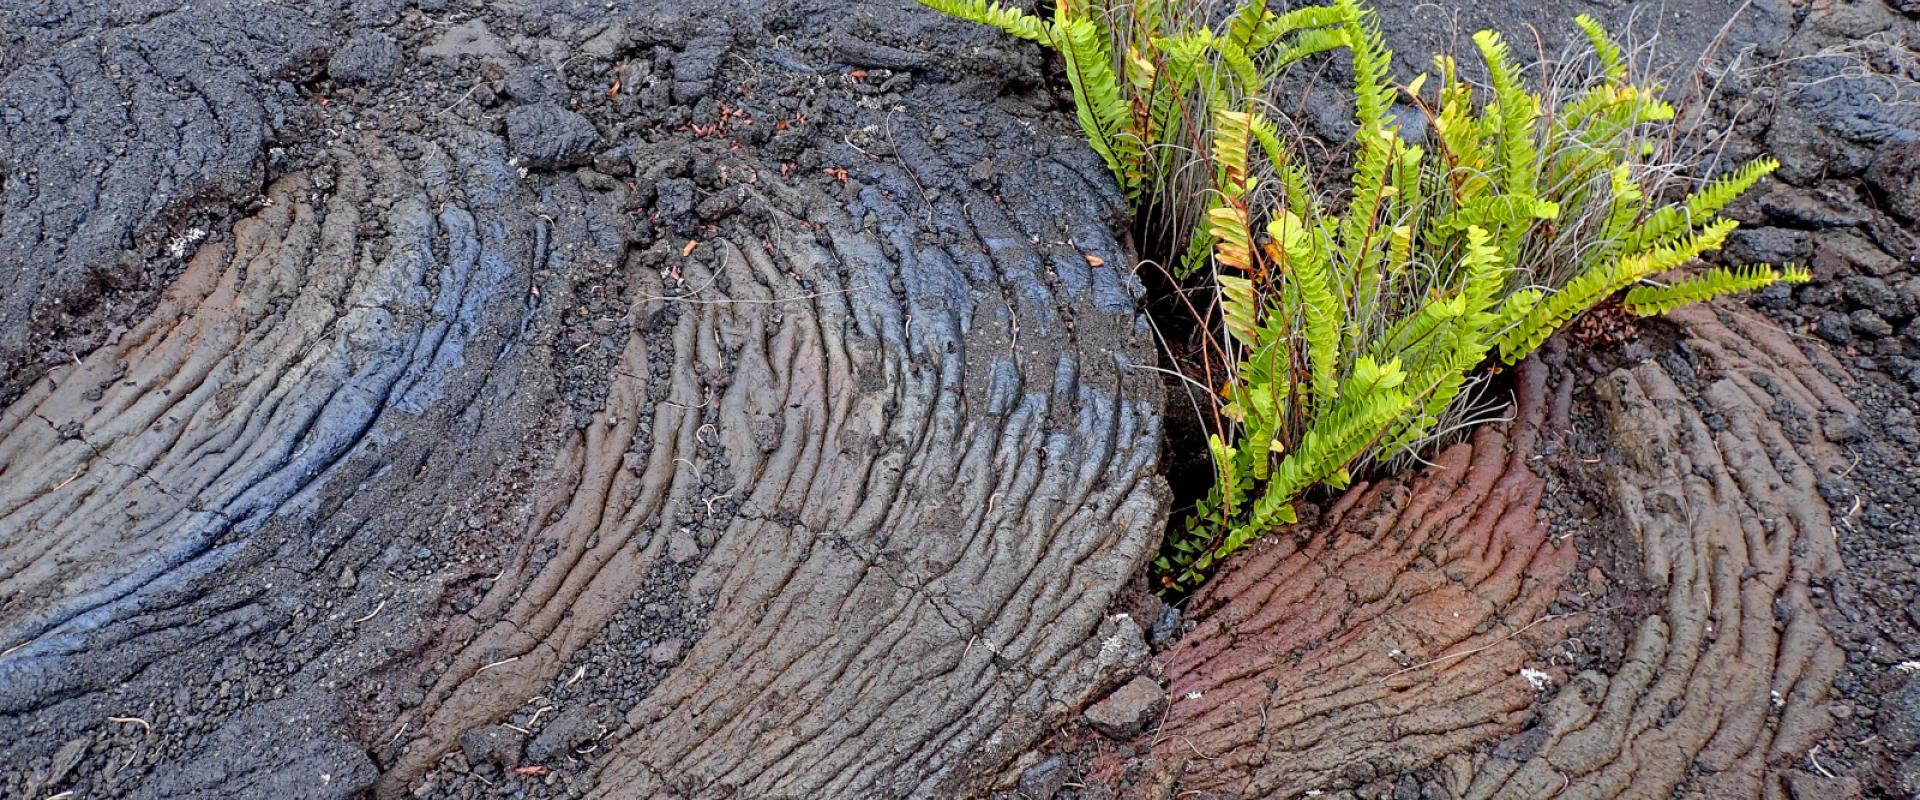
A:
{"x":1579,"y":294}
{"x":1665,"y":222}
{"x":1309,"y":272}
{"x":1269,"y":28}
{"x":1297,"y":192}
{"x":1483,"y":272}
{"x":1360,"y":239}
{"x":1723,"y":190}
{"x":1232,"y":135}
{"x":1624,"y":204}
{"x":1240,"y":309}
{"x":1372,"y":66}
{"x":1498,"y":211}
{"x":1416,"y":332}
{"x":1444,"y":365}
{"x":1409,"y":196}
{"x":1096,"y":93}
{"x":1232,"y":243}
{"x":1612,"y":64}
{"x":1688,"y":247}
{"x":1340,"y":436}
{"x":1248,"y":26}
{"x":1240,"y":65}
{"x":1361,"y":242}
{"x":1516,"y":307}
{"x":1601,"y":280}
{"x":1305,"y":44}
{"x":1200,"y":244}
{"x":1516,"y":110}
{"x":1454,"y":124}
{"x":1011,"y":20}
{"x":1647,"y":301}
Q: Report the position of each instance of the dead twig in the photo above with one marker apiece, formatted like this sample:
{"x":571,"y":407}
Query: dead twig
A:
{"x":1488,"y":646}
{"x":132,"y":721}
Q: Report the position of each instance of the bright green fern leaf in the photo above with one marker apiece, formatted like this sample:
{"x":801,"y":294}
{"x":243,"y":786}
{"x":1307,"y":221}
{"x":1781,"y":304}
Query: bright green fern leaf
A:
{"x":1647,"y":301}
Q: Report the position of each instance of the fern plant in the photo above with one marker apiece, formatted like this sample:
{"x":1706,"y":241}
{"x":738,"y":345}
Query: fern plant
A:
{"x":1354,"y":333}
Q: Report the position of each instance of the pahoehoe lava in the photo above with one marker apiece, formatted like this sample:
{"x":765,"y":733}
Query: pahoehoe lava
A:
{"x":420,"y":398}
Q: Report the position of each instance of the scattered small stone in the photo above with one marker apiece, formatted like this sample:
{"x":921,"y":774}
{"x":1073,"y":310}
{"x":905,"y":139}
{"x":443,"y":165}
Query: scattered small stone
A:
{"x":1776,"y":297}
{"x":1810,"y":786}
{"x":468,"y":39}
{"x":682,"y":547}
{"x":1906,"y":777}
{"x":1895,"y":171}
{"x":1126,"y":713}
{"x":1770,"y":246}
{"x":369,"y":58}
{"x":1793,"y":207}
{"x":1835,"y":327}
{"x":544,"y":133}
{"x":539,"y":84}
{"x":493,"y":744}
{"x":1841,"y":428}
{"x":617,"y":162}
{"x":607,"y":42}
{"x":1870,"y":292}
{"x":982,"y":173}
{"x":666,"y":653}
{"x":1899,"y":722}
{"x":596,"y":181}
{"x":561,"y":735}
{"x":1043,"y":780}
{"x":1871,"y":325}
{"x":1166,"y":627}
{"x":1521,"y":746}
{"x":1359,"y":772}
{"x":1096,"y":790}
{"x":674,"y":198}
{"x":720,"y":205}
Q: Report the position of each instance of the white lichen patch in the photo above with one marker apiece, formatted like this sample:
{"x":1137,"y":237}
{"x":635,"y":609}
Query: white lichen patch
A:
{"x":178,"y":247}
{"x":1540,"y":681}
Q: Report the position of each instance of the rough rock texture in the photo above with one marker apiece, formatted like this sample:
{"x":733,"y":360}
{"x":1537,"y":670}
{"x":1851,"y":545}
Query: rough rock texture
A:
{"x":367,"y":58}
{"x":764,"y":415}
{"x":1130,"y":710}
{"x":120,"y":142}
{"x":545,"y":133}
{"x":819,"y":483}
{"x":1834,"y":99}
{"x":1391,"y":634}
{"x":1419,"y":621}
{"x":1717,"y":476}
{"x":1741,"y":619}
